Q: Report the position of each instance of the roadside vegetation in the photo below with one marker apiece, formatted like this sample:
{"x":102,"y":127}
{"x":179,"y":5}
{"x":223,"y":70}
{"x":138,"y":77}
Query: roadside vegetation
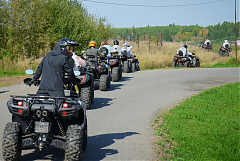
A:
{"x":203,"y":127}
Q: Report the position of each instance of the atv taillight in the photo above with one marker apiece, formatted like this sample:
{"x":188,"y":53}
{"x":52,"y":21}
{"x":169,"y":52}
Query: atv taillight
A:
{"x":99,"y":66}
{"x":19,"y":111}
{"x":80,"y":65}
{"x":20,"y":103}
{"x":65,"y":105}
{"x":64,"y":113}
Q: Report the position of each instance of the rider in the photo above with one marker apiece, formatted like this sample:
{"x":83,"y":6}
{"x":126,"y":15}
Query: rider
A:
{"x":226,"y":44}
{"x":207,"y":42}
{"x":116,"y":47}
{"x":127,"y":48}
{"x":53,"y":68}
{"x":109,"y":48}
{"x":184,"y":52}
{"x":93,"y":51}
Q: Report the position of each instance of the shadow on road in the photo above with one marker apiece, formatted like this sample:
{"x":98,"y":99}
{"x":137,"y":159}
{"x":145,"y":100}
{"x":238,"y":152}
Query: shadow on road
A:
{"x":48,"y":153}
{"x":101,"y":102}
{"x":3,"y":92}
{"x":94,"y":149}
{"x":125,"y":79}
{"x":96,"y":144}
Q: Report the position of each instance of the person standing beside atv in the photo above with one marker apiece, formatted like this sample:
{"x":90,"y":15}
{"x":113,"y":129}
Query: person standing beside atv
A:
{"x":53,"y":68}
{"x":93,"y":51}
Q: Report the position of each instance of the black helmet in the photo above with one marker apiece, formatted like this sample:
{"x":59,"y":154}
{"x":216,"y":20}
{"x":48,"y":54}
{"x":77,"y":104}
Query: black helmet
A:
{"x":116,"y":42}
{"x":185,"y":46}
{"x":64,"y":42}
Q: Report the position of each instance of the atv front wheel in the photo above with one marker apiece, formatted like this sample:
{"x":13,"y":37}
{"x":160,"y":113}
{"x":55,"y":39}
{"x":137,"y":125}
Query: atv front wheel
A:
{"x":11,"y":141}
{"x":115,"y":74}
{"x":86,"y":95}
{"x":103,"y":82}
{"x":198,"y":64}
{"x":187,"y":64}
{"x":173,"y":64}
{"x":74,"y":143}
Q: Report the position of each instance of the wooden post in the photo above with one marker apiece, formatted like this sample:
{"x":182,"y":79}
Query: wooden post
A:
{"x":144,"y":37}
{"x":121,"y":35}
{"x":161,"y":39}
{"x":138,"y":41}
{"x":157,"y":39}
{"x":149,"y":41}
{"x":124,"y":39}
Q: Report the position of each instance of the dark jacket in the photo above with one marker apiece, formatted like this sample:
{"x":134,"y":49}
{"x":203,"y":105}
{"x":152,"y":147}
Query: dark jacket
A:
{"x":53,"y":68}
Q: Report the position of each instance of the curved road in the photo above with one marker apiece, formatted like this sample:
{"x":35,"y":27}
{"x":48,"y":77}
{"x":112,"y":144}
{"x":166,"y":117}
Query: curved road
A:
{"x":119,"y":123}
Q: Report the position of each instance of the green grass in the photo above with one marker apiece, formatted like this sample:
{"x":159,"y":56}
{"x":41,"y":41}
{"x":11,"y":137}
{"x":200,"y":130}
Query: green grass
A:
{"x":205,"y":126}
{"x":13,"y":73}
{"x":231,"y":63}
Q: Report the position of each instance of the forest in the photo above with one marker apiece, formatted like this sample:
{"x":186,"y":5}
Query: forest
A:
{"x":216,"y":33}
{"x":31,"y":28}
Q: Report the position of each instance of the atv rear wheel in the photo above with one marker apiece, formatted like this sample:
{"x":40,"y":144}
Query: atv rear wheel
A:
{"x":103,"y":82}
{"x":125,"y":67}
{"x":133,"y":67}
{"x":86,"y":95}
{"x":74,"y":143}
{"x":115,"y":74}
{"x":11,"y":141}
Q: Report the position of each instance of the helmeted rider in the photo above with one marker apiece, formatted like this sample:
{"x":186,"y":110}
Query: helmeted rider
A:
{"x":207,"y":42}
{"x":108,"y":47}
{"x":226,"y":44}
{"x":127,"y":48}
{"x":93,"y":51}
{"x":184,"y":52}
{"x":53,"y":68}
{"x":116,"y":47}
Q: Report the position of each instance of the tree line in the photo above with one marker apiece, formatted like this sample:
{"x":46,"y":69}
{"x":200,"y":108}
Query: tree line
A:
{"x":217,"y":33}
{"x":31,"y":28}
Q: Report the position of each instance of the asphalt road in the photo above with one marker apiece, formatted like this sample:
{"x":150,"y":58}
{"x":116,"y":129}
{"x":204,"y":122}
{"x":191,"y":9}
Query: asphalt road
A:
{"x":119,"y":123}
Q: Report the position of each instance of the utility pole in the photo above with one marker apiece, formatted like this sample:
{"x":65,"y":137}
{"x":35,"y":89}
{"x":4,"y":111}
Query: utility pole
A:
{"x":235,"y":32}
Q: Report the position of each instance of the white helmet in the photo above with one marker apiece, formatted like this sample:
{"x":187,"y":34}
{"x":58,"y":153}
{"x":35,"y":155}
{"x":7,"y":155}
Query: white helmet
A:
{"x":225,"y":41}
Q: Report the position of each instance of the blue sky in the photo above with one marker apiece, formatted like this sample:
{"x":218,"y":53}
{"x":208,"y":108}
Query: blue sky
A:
{"x":141,"y":16}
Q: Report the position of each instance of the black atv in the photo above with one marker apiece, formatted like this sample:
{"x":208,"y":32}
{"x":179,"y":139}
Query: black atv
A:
{"x":100,"y":71}
{"x":126,"y":62}
{"x":44,"y":121}
{"x":185,"y":61}
{"x":135,"y":63}
{"x":224,"y":51}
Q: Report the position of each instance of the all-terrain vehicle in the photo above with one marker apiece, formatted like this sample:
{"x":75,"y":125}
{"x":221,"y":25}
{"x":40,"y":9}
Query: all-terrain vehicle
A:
{"x":126,"y":62}
{"x":185,"y":61}
{"x":44,"y":121}
{"x":224,"y":51}
{"x":207,"y":46}
{"x":114,"y":62}
{"x":100,"y":71}
{"x":134,"y":62}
